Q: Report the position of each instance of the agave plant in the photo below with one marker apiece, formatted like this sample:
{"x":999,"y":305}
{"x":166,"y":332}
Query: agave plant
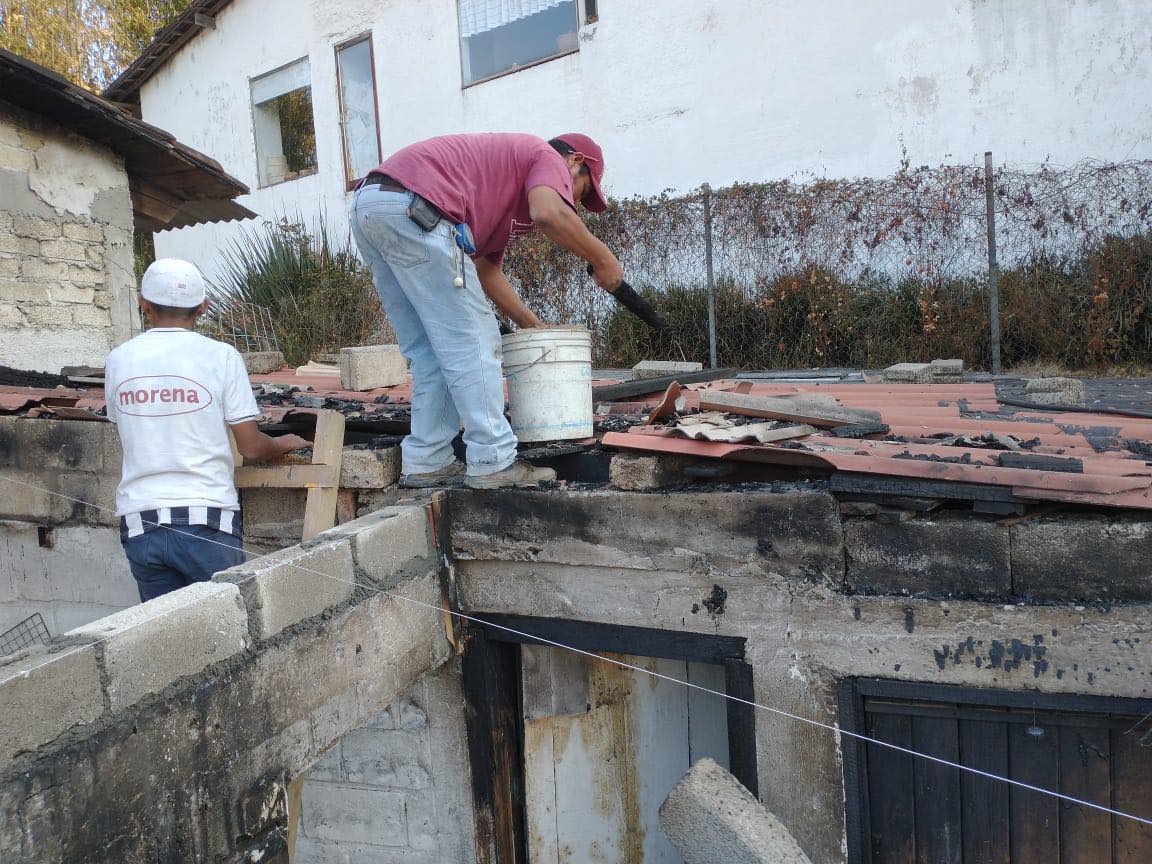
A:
{"x":318,"y":296}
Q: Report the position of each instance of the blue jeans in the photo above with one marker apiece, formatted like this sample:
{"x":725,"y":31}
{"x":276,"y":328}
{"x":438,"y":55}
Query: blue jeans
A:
{"x":449,"y":334}
{"x":165,"y":559}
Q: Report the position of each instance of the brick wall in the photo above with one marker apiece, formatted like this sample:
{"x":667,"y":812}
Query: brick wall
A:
{"x":66,"y":262}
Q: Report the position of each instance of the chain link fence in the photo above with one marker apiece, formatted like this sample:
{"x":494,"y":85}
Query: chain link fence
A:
{"x":868,"y":272}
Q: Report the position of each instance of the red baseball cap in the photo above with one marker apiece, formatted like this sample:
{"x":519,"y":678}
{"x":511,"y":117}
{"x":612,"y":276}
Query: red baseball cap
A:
{"x":594,"y":159}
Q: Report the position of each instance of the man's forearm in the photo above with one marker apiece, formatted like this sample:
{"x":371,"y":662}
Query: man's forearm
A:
{"x":500,"y":291}
{"x":564,"y":228}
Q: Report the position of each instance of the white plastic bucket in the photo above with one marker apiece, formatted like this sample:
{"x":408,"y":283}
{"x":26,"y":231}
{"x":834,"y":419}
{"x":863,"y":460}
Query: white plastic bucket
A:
{"x":549,"y":376}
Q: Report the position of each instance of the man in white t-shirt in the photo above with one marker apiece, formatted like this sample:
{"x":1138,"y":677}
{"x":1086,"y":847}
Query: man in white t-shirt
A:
{"x":173,"y":395}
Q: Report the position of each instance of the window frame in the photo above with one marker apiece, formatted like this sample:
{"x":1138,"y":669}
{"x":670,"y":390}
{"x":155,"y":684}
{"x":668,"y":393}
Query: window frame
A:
{"x":252,"y":114}
{"x":581,"y":21}
{"x":349,"y":180}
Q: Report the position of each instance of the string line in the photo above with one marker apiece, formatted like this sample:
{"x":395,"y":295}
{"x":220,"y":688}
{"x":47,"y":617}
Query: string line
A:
{"x":836,"y":730}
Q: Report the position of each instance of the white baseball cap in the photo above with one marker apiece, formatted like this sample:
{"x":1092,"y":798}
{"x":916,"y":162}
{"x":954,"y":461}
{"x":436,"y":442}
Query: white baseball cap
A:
{"x":172,"y":282}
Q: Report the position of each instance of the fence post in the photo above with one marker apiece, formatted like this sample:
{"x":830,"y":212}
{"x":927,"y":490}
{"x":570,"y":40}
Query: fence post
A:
{"x":712,"y":361}
{"x":993,"y":266}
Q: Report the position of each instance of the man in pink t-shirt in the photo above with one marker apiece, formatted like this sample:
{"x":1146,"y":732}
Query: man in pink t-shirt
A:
{"x":433,"y":222}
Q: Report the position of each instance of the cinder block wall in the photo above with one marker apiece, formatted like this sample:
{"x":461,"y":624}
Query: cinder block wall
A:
{"x":66,"y":261}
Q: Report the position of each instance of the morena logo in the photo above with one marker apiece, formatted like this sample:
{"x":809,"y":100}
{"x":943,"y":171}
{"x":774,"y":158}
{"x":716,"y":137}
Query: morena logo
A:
{"x":161,"y":396}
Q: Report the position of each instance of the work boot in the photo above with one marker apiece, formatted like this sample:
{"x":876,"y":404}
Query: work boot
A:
{"x":518,"y":474}
{"x":448,"y":477}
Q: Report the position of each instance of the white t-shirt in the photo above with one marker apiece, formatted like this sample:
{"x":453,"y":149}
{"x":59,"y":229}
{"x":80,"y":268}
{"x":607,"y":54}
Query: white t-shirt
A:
{"x":171,"y":393}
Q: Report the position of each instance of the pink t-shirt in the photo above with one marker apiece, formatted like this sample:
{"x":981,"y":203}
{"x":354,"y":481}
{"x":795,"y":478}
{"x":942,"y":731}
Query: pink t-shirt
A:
{"x":482,"y":179}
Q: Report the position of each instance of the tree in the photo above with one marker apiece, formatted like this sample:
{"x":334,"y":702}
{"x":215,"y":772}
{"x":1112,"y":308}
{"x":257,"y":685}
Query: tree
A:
{"x":87,"y":41}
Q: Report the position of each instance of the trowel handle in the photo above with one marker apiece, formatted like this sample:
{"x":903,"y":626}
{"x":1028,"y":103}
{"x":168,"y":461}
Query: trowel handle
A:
{"x":634,"y":303}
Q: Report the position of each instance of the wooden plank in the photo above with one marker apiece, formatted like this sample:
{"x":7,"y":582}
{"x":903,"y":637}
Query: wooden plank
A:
{"x":892,"y":809}
{"x":1034,"y":758}
{"x":1132,"y":792}
{"x":327,"y":450}
{"x":936,"y":789}
{"x":1085,"y":773}
{"x":796,"y":409}
{"x":985,"y":803}
{"x":742,"y":759}
{"x":644,"y":386}
{"x":287,"y":477}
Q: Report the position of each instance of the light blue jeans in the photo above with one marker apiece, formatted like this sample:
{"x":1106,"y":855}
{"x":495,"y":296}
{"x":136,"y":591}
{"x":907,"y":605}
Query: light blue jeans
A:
{"x":449,"y":334}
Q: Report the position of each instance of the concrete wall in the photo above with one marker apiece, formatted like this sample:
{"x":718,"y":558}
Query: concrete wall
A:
{"x":788,"y":560}
{"x":80,"y":574}
{"x":66,"y":265}
{"x":171,"y":731}
{"x":396,"y":789}
{"x":681,"y":92}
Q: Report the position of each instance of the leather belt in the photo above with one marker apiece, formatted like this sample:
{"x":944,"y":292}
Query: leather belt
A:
{"x":384,"y":182}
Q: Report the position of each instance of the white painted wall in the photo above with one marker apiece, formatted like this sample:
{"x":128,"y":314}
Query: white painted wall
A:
{"x":681,"y":92}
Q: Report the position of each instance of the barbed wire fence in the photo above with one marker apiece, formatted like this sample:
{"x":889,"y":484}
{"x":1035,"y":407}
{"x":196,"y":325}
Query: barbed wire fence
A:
{"x":867,"y":272}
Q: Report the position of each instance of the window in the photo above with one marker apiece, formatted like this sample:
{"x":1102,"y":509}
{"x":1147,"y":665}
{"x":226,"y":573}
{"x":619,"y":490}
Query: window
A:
{"x":356,"y":82}
{"x":285,"y":130}
{"x":499,"y":36}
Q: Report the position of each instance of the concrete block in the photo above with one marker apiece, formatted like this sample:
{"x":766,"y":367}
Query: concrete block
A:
{"x":375,"y":757}
{"x":910,"y":373}
{"x":35,"y":228}
{"x":86,"y":232}
{"x":634,"y":473}
{"x":285,"y":587}
{"x":51,"y":317}
{"x":339,"y":813}
{"x":660,"y":368}
{"x":72,"y":294}
{"x":370,"y":469}
{"x":10,"y":315}
{"x":147,"y":647}
{"x":91,"y":316}
{"x":46,"y":694}
{"x":371,"y":366}
{"x":262,"y":362}
{"x":942,"y":557}
{"x":1083,"y":558}
{"x":22,"y":246}
{"x":66,"y":250}
{"x":710,"y":817}
{"x":389,"y":544}
{"x":1054,"y":398}
{"x":9,"y":268}
{"x":23,"y":291}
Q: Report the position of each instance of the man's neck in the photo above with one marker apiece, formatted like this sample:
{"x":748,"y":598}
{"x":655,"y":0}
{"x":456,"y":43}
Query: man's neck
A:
{"x":173,"y":324}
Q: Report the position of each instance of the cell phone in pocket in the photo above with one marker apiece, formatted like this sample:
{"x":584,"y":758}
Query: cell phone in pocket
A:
{"x":423,"y":212}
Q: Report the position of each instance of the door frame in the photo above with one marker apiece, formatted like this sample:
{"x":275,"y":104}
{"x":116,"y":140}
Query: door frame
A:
{"x":494,"y":718}
{"x":852,"y":693}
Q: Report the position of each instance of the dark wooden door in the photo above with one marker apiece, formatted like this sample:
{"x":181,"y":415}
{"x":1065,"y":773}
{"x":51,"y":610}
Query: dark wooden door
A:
{"x":924,"y":812}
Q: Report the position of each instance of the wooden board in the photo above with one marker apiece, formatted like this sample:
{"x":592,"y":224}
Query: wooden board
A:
{"x":1034,"y":759}
{"x":936,"y":789}
{"x":1132,"y":792}
{"x":327,"y":450}
{"x":795,"y":409}
{"x":644,"y":386}
{"x":1085,"y":768}
{"x":891,"y":804}
{"x":984,"y":817}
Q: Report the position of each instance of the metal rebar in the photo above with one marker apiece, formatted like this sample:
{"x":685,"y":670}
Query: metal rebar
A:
{"x":993,"y":266}
{"x":712,"y":361}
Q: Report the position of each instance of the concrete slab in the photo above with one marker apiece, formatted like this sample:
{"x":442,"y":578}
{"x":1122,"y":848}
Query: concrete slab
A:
{"x":710,"y":817}
{"x":145,"y":648}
